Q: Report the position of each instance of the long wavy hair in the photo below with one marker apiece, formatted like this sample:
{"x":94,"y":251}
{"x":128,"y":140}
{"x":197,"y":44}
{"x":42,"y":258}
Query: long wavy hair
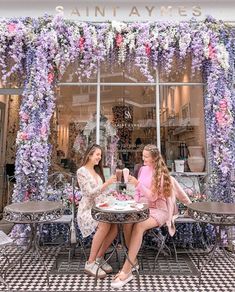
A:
{"x":161,"y":173}
{"x":89,"y":152}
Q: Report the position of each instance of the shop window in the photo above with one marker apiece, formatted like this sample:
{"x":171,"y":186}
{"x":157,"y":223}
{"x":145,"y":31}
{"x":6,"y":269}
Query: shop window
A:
{"x":72,"y":75}
{"x":182,"y":122}
{"x":122,"y":73}
{"x":185,"y":73}
{"x":128,"y":114}
{"x":74,"y":123}
{"x":129,"y":123}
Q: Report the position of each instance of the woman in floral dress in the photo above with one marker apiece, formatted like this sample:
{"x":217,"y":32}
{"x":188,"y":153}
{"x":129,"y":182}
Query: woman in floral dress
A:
{"x":92,"y":184}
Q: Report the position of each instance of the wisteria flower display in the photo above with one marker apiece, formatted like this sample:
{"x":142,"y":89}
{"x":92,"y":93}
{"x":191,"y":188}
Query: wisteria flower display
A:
{"x":39,"y":51}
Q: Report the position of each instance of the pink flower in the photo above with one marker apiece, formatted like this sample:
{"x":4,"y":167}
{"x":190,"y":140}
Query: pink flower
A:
{"x":221,"y":118}
{"x":119,"y":40}
{"x":43,"y":130}
{"x":23,"y":136}
{"x":147,"y":50}
{"x":50,"y":77}
{"x":11,"y":27}
{"x":223,"y":104}
{"x":189,"y":191}
{"x":81,"y":43}
{"x":211,"y":51}
{"x":26,"y":196}
{"x":24,"y":117}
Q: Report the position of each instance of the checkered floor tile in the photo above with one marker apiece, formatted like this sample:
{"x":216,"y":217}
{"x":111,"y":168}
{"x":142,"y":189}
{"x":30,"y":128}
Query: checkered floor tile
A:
{"x":31,"y":276}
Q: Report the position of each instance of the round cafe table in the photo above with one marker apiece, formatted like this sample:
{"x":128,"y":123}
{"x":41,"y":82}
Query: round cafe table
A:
{"x":220,"y":215}
{"x":33,"y":213}
{"x":120,"y":217}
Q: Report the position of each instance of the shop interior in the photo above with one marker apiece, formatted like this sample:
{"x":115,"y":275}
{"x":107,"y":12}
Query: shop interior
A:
{"x":128,"y":117}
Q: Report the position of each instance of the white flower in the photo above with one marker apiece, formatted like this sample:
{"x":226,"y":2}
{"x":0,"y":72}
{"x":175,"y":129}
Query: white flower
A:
{"x":206,"y":39}
{"x":166,"y":44}
{"x":206,"y":52}
{"x":130,"y":41}
{"x":222,"y":56}
{"x":109,"y":40}
{"x":184,"y":43}
{"x":94,"y":36}
{"x":122,"y":54}
{"x":118,"y":26}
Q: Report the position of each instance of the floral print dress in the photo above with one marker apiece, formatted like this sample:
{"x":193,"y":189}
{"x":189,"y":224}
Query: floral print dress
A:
{"x":91,"y":190}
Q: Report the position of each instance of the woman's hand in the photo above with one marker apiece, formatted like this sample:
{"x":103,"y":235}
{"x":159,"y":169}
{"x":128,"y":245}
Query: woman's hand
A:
{"x":108,"y":182}
{"x":111,"y":180}
{"x":132,"y":180}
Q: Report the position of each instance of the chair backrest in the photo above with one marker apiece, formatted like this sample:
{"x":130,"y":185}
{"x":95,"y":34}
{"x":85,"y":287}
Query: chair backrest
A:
{"x":10,"y":187}
{"x":196,"y":186}
{"x":63,"y":186}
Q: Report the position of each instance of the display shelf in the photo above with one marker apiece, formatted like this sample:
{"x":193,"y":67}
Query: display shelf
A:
{"x":188,"y":173}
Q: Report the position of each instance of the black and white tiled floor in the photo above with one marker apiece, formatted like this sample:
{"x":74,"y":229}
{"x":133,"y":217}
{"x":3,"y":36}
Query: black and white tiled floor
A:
{"x":31,"y":277}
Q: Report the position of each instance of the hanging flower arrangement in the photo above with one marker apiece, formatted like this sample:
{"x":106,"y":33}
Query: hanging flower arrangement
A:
{"x":39,"y":51}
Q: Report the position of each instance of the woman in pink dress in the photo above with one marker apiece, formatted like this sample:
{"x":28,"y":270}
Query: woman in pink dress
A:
{"x":156,"y":187}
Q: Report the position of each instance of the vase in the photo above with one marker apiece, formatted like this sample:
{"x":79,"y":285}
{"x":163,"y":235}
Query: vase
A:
{"x":196,"y":161}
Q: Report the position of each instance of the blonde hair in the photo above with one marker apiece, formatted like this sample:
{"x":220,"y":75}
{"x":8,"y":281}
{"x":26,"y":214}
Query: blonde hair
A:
{"x":161,"y":182}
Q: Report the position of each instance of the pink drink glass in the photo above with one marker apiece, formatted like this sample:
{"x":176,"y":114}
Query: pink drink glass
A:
{"x":126,"y":174}
{"x":119,"y":175}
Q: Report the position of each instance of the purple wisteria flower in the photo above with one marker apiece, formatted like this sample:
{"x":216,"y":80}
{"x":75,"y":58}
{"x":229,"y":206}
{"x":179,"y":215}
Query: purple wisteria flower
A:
{"x":39,"y":50}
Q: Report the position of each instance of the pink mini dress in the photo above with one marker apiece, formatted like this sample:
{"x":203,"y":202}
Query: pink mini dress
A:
{"x":163,"y":210}
{"x":158,"y":208}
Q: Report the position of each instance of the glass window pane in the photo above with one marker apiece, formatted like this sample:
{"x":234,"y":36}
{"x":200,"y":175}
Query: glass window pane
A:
{"x":70,"y":75}
{"x":75,"y":123}
{"x":182,"y":122}
{"x":128,"y":73}
{"x":129,"y":122}
{"x":185,"y":73}
{"x":12,"y":128}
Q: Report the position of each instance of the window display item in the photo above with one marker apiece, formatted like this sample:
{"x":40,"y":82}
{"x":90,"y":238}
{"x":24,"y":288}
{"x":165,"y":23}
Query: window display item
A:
{"x":196,"y":161}
{"x":179,"y":165}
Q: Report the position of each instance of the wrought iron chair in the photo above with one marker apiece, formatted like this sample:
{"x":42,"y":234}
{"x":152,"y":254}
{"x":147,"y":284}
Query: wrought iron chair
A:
{"x":5,"y":241}
{"x":10,"y":181}
{"x":195,"y":186}
{"x":61,"y":186}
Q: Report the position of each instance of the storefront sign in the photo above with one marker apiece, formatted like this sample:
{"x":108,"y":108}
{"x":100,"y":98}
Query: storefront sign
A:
{"x":131,"y":10}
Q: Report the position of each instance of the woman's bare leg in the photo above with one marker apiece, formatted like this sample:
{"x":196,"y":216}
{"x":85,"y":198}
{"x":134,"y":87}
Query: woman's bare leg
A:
{"x":107,"y":240}
{"x":102,"y":231}
{"x":136,"y":241}
{"x":127,"y":229}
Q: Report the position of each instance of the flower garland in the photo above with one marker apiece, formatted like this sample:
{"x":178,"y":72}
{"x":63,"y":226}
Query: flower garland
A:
{"x":39,"y":51}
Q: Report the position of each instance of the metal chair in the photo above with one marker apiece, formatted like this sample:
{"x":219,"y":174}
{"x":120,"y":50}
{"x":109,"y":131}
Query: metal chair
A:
{"x":5,"y":241}
{"x":59,"y":184}
{"x":154,"y":239}
{"x":10,"y":187}
{"x":196,"y":186}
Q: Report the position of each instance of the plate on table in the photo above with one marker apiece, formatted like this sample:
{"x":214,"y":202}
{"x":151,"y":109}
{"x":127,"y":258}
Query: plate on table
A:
{"x":128,"y":205}
{"x":121,"y":208}
{"x":120,"y":205}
